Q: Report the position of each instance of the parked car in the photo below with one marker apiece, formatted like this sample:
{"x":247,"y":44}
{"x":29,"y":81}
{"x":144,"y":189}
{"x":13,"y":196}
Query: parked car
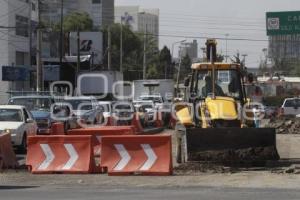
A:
{"x":105,"y":107}
{"x":156,"y":99}
{"x":146,"y":111}
{"x":290,"y":106}
{"x":19,"y":122}
{"x":122,"y":112}
{"x":39,"y":107}
{"x":84,"y":110}
{"x":164,"y":107}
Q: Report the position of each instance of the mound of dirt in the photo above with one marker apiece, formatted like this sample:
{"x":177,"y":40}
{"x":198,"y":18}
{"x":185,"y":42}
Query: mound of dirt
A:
{"x":285,"y":125}
{"x":252,"y":154}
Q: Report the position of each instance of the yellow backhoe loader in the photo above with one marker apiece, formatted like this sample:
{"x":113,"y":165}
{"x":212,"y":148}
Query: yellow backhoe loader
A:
{"x":216,"y":122}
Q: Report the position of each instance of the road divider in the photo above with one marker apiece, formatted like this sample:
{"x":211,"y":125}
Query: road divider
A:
{"x":99,"y":132}
{"x":135,"y":122}
{"x":58,"y":128}
{"x":7,"y":155}
{"x":60,"y":154}
{"x":137,"y":155}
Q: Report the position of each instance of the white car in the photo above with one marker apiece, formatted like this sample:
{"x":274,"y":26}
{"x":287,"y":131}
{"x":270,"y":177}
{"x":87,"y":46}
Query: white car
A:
{"x":17,"y":121}
{"x":291,"y":106}
{"x":106,"y":108}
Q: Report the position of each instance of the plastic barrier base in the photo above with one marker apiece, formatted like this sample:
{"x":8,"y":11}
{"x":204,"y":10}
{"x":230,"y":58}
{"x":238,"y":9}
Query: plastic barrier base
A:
{"x":60,"y":154}
{"x":137,"y":155}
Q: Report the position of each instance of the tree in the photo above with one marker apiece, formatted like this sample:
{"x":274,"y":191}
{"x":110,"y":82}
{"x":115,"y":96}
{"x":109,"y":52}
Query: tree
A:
{"x":132,"y":51}
{"x":152,"y":72}
{"x":71,"y":22}
{"x":185,"y":69}
{"x":77,"y":21}
{"x":166,"y":69}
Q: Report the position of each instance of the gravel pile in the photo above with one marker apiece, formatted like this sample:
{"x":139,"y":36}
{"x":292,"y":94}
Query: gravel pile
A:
{"x":285,"y":125}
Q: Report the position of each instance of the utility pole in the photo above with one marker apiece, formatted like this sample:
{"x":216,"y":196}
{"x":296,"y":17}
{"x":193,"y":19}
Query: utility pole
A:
{"x":244,"y":59}
{"x":78,"y":54}
{"x":226,"y":46}
{"x":61,"y":33}
{"x":178,"y":74}
{"x":121,"y":47}
{"x":144,"y":57}
{"x":30,"y":31}
{"x":109,"y":49}
{"x":39,"y":68}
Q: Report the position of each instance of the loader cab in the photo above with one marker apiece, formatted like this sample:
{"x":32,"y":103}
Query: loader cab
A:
{"x":220,"y":80}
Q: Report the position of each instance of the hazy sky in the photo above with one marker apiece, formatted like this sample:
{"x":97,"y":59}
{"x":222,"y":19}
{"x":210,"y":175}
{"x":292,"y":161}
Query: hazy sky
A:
{"x":240,"y":19}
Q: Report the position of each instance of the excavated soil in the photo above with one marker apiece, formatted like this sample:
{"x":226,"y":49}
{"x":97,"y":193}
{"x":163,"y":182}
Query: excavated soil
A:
{"x":285,"y":125}
{"x":236,"y":155}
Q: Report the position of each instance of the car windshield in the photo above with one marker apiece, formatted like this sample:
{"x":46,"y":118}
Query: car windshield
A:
{"x":11,"y":115}
{"x":104,"y":107}
{"x":32,"y":103}
{"x":226,"y":84}
{"x":123,"y":107}
{"x":292,"y":103}
{"x":80,"y":104}
{"x":147,"y":106}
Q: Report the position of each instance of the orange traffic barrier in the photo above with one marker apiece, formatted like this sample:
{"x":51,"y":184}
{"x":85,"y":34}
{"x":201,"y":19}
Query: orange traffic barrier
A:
{"x":99,"y":132}
{"x":58,"y":128}
{"x":158,"y":120}
{"x":103,"y":130}
{"x":7,"y":155}
{"x":60,"y":154}
{"x":109,"y":121}
{"x":137,"y":155}
{"x":135,"y":122}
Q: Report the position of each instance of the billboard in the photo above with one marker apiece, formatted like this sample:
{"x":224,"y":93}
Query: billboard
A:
{"x":11,"y":73}
{"x":283,"y":23}
{"x":91,"y":43}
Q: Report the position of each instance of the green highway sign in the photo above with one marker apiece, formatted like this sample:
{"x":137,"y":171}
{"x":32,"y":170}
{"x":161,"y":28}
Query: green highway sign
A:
{"x":283,"y":23}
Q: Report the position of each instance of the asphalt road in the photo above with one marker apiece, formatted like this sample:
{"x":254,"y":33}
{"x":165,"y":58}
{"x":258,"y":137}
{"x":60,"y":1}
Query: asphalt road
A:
{"x":114,"y":193}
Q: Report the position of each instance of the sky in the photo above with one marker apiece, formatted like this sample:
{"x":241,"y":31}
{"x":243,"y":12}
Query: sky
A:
{"x":228,"y":20}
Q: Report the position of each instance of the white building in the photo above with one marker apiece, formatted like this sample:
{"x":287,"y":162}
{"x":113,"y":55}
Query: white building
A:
{"x":140,"y":20}
{"x":14,"y":44}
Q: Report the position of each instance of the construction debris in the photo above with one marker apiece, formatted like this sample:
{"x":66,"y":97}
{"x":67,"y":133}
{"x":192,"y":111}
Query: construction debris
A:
{"x":285,"y":125}
{"x":230,"y":155}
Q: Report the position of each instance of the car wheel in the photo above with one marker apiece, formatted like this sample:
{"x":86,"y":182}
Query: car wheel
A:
{"x":23,"y":146}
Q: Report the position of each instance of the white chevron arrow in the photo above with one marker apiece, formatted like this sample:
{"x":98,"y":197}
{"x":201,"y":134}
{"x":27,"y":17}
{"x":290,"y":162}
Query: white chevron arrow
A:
{"x":125,"y":157}
{"x":151,"y":157}
{"x":49,"y":156}
{"x":73,"y":156}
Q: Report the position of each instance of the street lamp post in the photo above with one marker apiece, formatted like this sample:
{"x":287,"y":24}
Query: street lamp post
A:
{"x":244,"y":59}
{"x":226,"y":46}
{"x":121,"y":46}
{"x":173,"y":46}
{"x":178,"y":74}
{"x":177,"y":79}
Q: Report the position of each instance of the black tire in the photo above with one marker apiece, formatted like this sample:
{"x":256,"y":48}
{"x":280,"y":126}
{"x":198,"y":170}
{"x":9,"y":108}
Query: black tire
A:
{"x":23,"y":146}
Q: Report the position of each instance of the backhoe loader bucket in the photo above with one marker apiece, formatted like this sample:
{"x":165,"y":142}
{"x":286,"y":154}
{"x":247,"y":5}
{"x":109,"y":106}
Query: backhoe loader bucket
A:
{"x":226,"y":145}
